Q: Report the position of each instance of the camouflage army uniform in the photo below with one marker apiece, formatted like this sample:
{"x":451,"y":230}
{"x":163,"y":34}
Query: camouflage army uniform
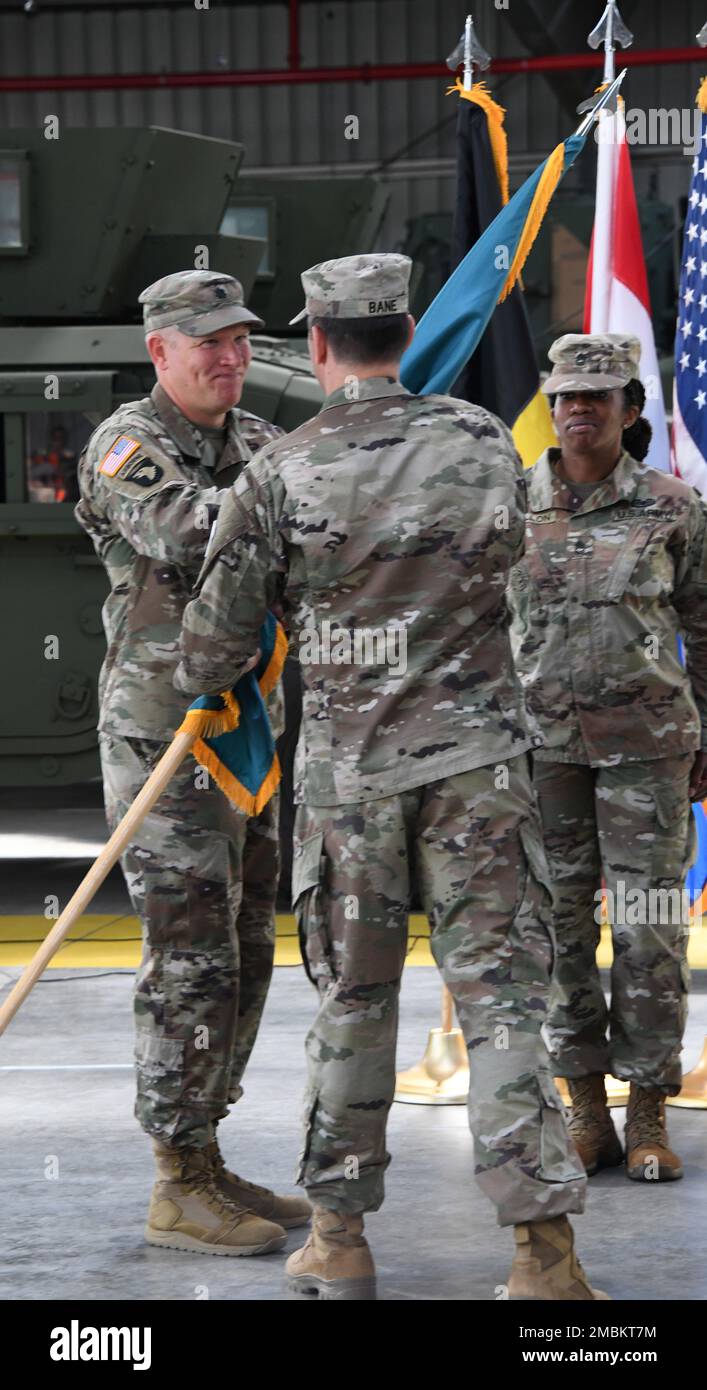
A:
{"x":392,"y":512}
{"x":202,"y":877}
{"x":606,"y":585}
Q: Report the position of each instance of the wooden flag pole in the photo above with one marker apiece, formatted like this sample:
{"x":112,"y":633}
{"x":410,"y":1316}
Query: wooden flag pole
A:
{"x":447,"y":1010}
{"x":159,"y":778}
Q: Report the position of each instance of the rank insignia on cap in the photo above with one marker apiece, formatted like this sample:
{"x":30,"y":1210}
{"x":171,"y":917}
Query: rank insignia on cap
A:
{"x":118,"y":454}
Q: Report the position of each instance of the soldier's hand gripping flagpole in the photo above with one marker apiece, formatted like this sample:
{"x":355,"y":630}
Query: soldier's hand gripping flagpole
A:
{"x":228,"y":734}
{"x":159,"y":778}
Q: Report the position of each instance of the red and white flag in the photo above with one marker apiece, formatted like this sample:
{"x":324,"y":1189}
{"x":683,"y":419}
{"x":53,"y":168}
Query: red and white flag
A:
{"x":617,"y":299}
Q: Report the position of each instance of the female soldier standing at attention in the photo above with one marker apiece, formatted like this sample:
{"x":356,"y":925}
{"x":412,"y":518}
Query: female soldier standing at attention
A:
{"x":615,"y":570}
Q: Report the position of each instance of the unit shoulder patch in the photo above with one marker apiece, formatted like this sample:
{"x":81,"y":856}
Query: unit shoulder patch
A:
{"x":138,"y":465}
{"x":146,"y":473}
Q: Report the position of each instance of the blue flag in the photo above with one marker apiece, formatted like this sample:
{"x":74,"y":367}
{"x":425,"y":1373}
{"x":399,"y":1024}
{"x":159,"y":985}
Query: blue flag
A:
{"x":234,"y":739}
{"x":450,"y":330}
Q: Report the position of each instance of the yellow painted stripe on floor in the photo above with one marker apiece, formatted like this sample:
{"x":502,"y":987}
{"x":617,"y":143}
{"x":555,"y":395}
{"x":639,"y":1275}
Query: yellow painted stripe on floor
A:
{"x":102,"y":941}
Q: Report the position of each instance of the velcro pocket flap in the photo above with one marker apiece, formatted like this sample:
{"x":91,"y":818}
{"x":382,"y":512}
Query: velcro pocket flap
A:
{"x":306,"y":864}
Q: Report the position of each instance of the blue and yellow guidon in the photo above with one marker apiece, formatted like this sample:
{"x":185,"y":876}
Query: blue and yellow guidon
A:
{"x":234,"y":739}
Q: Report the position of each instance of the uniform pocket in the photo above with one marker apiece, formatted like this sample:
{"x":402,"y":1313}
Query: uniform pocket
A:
{"x":147,"y":751}
{"x":308,"y":870}
{"x":556,"y":1162}
{"x":533,"y":937}
{"x":644,"y":565}
{"x":675,"y":840}
{"x":160,"y":1063}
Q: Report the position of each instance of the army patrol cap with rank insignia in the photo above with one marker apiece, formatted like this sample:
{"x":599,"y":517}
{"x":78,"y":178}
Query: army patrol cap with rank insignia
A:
{"x":592,"y":362}
{"x":356,"y":287}
{"x":197,"y":302}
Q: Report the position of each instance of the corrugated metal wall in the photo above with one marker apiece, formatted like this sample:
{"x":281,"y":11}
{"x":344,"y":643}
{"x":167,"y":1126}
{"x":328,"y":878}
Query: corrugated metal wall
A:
{"x":293,"y":126}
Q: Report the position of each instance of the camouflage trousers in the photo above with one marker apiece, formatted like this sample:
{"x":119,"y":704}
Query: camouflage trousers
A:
{"x":633,"y":827}
{"x":477,"y":855}
{"x":202,"y":878}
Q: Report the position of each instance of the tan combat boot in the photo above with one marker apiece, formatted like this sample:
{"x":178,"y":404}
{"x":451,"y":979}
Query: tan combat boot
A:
{"x":590,"y":1124}
{"x":545,"y":1265}
{"x":188,"y":1212}
{"x":286,"y":1211}
{"x":648,"y":1154}
{"x":336,"y":1261}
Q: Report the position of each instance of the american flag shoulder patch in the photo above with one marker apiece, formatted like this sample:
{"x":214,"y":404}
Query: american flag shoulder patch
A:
{"x":118,"y":454}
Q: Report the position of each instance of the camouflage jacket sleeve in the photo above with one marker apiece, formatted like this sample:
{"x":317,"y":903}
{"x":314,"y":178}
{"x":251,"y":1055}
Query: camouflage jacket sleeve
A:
{"x":690,"y":604}
{"x":237,"y":585}
{"x":521,"y":487}
{"x":149,"y":501}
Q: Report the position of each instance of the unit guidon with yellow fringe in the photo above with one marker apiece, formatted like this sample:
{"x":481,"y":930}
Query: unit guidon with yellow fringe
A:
{"x":234,"y":739}
{"x":452,"y":327}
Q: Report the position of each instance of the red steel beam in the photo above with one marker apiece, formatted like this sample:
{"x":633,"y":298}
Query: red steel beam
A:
{"x":365,"y":72}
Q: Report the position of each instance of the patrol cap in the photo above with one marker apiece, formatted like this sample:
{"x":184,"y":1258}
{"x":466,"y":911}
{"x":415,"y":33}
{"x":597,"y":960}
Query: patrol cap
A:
{"x":356,"y":287}
{"x":592,"y":362}
{"x":197,"y":302}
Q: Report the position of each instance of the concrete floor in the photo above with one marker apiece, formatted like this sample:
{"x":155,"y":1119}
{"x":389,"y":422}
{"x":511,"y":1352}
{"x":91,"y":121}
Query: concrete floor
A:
{"x":68,"y":1109}
{"x":66,"y":1097}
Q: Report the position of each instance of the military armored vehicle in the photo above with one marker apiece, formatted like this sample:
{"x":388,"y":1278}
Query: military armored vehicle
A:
{"x":86,"y":221}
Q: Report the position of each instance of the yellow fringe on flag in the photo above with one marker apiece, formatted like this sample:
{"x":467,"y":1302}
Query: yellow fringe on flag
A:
{"x":209,"y":723}
{"x":701,"y":99}
{"x":495,"y":115}
{"x":547,"y":184}
{"x":238,"y":794}
{"x":273,"y":671}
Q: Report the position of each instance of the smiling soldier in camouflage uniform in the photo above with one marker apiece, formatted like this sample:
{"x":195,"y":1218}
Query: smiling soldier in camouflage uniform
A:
{"x":394,"y":516}
{"x":202,"y":876}
{"x":615,"y":570}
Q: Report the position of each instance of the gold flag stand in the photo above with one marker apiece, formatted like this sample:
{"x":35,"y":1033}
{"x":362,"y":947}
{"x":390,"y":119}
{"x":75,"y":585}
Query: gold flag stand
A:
{"x":693,"y":1095}
{"x":442,"y":1077}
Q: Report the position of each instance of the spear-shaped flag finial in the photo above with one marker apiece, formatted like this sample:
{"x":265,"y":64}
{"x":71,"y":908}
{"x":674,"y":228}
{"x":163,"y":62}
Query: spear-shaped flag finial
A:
{"x":609,"y":32}
{"x":469,"y":51}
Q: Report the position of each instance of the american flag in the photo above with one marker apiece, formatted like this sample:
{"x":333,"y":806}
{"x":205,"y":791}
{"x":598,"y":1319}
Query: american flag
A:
{"x":690,"y":391}
{"x":118,"y":454}
{"x":689,"y":457}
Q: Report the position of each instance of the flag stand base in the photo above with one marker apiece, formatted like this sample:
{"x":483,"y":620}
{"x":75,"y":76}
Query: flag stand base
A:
{"x":442,"y":1077}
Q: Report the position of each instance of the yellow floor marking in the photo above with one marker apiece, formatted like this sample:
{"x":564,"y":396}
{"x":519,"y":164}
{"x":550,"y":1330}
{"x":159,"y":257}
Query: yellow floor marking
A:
{"x":102,"y":940}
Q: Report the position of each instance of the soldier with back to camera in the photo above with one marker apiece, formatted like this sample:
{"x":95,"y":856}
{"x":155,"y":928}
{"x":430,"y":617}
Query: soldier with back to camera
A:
{"x":401,"y":515}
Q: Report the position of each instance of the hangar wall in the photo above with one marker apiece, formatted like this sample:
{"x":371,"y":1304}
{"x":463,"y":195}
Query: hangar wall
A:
{"x":285,"y":126}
